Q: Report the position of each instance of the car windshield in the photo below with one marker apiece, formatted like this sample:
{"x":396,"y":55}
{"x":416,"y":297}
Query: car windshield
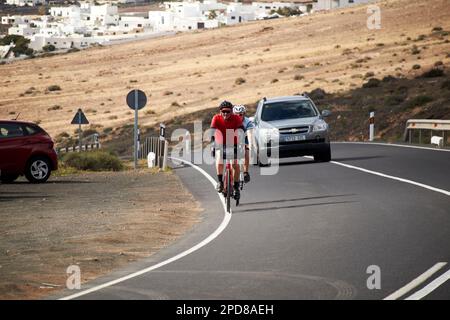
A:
{"x":288,"y":110}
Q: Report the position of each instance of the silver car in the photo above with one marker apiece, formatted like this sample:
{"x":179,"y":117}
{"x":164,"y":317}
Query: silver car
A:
{"x":289,"y":127}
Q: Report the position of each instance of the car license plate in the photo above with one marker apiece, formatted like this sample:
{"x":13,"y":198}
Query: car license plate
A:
{"x":297,"y":137}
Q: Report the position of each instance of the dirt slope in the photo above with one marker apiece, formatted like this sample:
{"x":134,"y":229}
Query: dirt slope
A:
{"x":194,"y":71}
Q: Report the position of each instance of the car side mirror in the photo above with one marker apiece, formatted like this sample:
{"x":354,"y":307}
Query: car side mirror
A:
{"x":326,"y":113}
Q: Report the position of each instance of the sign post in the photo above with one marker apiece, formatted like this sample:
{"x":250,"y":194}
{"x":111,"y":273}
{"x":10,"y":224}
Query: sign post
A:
{"x":136,"y":100}
{"x":162,"y":137}
{"x":79,"y":119}
{"x":371,"y":125}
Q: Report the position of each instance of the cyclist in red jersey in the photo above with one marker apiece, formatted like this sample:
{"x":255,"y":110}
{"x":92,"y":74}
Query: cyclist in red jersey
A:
{"x":221,"y":123}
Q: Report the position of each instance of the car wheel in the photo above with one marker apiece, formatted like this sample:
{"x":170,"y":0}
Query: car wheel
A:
{"x":38,"y":170}
{"x":324,"y":156}
{"x":261,"y":161}
{"x":8,"y":178}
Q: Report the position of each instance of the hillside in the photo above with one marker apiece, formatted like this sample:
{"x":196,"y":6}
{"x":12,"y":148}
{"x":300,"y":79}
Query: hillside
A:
{"x":189,"y":72}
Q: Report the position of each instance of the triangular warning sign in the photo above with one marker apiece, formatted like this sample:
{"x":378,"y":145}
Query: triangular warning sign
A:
{"x":79,"y":118}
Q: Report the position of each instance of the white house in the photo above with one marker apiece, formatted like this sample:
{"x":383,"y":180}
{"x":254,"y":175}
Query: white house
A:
{"x":65,"y":12}
{"x":238,"y":12}
{"x":63,"y":42}
{"x":23,"y":29}
{"x":23,"y":3}
{"x":133,"y":23}
{"x":335,"y":4}
{"x":14,"y":19}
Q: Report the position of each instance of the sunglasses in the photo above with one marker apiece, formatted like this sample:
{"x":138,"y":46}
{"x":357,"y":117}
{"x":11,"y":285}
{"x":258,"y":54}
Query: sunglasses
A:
{"x":225,"y":111}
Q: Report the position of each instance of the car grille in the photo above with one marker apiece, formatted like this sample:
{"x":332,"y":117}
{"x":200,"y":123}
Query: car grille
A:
{"x":294,"y":130}
{"x":291,"y":143}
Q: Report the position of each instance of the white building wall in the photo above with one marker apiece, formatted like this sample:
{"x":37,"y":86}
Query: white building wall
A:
{"x":22,"y":3}
{"x":65,"y":12}
{"x":161,"y":20}
{"x":134,"y":23}
{"x":15,"y":19}
{"x":23,"y":30}
{"x":334,"y":4}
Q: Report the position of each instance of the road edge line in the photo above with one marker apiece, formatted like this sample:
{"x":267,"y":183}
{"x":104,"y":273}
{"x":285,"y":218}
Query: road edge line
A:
{"x":418,"y":184}
{"x":211,"y":237}
{"x":390,"y":145}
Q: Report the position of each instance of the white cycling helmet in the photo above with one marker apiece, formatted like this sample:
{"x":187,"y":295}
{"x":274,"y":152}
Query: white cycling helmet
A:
{"x":239,"y":108}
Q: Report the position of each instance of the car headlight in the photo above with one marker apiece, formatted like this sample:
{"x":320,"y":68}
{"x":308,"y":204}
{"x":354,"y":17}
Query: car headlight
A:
{"x":320,"y":126}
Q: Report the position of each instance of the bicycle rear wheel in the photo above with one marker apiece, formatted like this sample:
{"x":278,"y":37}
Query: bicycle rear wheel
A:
{"x":229,"y":190}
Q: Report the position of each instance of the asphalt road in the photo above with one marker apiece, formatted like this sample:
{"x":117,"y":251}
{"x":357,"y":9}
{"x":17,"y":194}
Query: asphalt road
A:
{"x":310,"y":232}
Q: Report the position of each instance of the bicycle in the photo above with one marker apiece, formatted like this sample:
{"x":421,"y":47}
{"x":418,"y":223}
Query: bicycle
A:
{"x":228,"y":177}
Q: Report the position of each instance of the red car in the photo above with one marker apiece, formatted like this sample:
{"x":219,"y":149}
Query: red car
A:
{"x":25,"y":149}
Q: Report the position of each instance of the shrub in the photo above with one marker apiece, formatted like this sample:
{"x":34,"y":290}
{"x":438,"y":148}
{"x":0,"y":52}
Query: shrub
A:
{"x":287,"y":12}
{"x":372,"y":83}
{"x":419,"y":101}
{"x":21,"y":44}
{"x":446,"y":84}
{"x":63,"y":135}
{"x":389,"y":78}
{"x":49,"y":48}
{"x":54,"y":108}
{"x":168,"y":93}
{"x":274,"y":81}
{"x":239,"y":81}
{"x":112,"y":117}
{"x":94,"y":161}
{"x":298,"y":77}
{"x":415,"y":50}
{"x":416,"y":66}
{"x":395,"y":100}
{"x":54,"y":88}
{"x":299,"y":66}
{"x":369,"y":74}
{"x":175,"y":104}
{"x":437,"y":29}
{"x":421,"y":37}
{"x":30,"y":90}
{"x":433,"y":73}
{"x":317,"y":94}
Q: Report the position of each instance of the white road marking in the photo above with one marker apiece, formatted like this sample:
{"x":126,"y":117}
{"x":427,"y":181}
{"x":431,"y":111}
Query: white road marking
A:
{"x":393,"y":145}
{"x":422,"y":185}
{"x":211,"y":237}
{"x":416,"y":282}
{"x":418,"y":184}
{"x":430,"y":287}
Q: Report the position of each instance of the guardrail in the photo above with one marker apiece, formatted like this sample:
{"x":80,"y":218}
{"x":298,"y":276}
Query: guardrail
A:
{"x":155,"y":145}
{"x":424,"y":129}
{"x":84,"y":147}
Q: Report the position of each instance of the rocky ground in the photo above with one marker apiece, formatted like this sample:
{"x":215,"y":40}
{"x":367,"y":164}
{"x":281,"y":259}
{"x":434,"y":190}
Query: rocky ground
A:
{"x":98,"y":221}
